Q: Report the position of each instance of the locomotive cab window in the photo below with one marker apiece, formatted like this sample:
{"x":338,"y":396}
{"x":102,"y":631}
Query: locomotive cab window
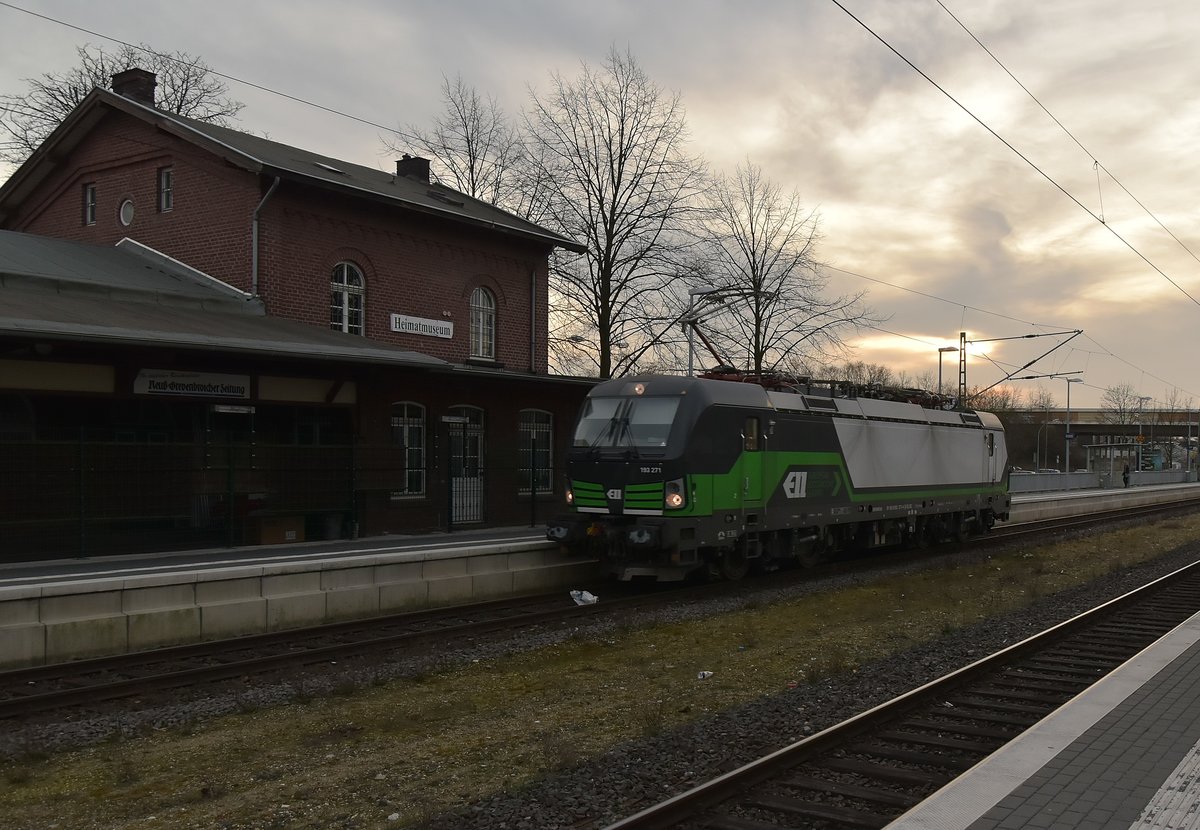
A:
{"x":991,"y":442}
{"x":620,"y":422}
{"x":750,"y":441}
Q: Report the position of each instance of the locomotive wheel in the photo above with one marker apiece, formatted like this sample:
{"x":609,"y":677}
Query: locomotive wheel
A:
{"x":734,"y":563}
{"x":814,"y":553}
{"x":962,"y":531}
{"x":913,"y":538}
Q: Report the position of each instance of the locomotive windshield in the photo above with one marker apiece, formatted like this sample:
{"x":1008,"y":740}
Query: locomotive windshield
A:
{"x":644,"y":423}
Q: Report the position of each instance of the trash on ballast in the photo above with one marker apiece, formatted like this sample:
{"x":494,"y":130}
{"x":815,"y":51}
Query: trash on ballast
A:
{"x":703,"y":675}
{"x":792,"y":684}
{"x":584,"y":597}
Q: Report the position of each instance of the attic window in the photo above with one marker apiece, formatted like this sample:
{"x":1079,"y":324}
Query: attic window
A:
{"x":443,"y":197}
{"x":329,"y":167}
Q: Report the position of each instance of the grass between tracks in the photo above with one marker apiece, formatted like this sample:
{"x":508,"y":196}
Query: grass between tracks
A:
{"x":413,"y":748}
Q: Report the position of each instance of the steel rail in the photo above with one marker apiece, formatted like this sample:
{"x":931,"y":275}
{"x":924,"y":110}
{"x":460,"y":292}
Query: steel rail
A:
{"x":24,"y":691}
{"x":704,"y":797}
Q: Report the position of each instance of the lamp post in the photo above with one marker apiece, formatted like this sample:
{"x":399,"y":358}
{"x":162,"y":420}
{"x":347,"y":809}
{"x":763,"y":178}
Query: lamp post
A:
{"x":1141,"y":405}
{"x":941,"y":351}
{"x":1067,"y":435}
{"x":1037,"y":448}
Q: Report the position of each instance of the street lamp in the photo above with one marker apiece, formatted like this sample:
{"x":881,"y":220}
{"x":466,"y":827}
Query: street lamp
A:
{"x":1141,"y":405}
{"x":941,"y":351}
{"x":1067,"y":438}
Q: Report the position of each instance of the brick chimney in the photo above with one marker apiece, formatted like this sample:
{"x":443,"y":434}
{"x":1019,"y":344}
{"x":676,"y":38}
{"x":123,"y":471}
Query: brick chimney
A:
{"x":414,"y":167}
{"x":136,"y":84}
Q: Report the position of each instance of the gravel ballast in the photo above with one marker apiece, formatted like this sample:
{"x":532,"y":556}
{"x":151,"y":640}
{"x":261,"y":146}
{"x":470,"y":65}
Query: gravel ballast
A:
{"x":610,"y":787}
{"x":601,"y":789}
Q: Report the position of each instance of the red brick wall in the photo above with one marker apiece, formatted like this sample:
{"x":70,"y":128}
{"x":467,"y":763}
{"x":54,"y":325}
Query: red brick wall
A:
{"x":209,"y":227}
{"x":501,"y":401}
{"x":413,"y":264}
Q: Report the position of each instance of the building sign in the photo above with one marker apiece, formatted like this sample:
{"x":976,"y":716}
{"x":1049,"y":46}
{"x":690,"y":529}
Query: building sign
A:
{"x":192,"y":384}
{"x":422,"y":326}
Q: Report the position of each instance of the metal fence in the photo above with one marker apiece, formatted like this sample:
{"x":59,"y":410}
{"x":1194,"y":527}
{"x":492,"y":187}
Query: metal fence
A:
{"x":61,"y":499}
{"x":1048,"y":482}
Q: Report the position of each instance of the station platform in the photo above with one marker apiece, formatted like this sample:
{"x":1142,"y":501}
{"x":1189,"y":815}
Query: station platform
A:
{"x":56,"y":611}
{"x":1125,"y":754}
{"x":48,"y":571}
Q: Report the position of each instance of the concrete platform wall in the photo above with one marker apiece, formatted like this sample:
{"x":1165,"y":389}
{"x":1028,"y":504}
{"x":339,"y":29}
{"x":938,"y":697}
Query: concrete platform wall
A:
{"x":1032,"y":508}
{"x":96,"y":617}
{"x":64,"y":621}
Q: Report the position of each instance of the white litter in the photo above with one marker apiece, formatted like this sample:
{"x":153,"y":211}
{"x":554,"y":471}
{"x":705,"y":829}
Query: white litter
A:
{"x":704,"y":675}
{"x":584,"y":597}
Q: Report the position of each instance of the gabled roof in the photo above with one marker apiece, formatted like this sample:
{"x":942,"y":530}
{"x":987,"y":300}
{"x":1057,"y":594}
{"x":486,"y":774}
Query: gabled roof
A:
{"x":57,"y":290}
{"x":271,"y":158}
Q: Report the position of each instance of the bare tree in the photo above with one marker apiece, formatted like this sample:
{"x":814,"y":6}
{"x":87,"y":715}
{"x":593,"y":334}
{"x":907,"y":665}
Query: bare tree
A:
{"x":1175,"y":423}
{"x":186,"y":86}
{"x":610,"y":147}
{"x":1041,"y":399}
{"x":763,"y":253}
{"x":866,"y":374}
{"x":999,"y":398}
{"x":1120,"y":404}
{"x":475,"y":147}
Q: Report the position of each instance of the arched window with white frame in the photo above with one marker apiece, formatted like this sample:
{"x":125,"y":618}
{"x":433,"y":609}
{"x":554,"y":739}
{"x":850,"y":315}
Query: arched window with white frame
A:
{"x":347,"y":299}
{"x":483,"y":324}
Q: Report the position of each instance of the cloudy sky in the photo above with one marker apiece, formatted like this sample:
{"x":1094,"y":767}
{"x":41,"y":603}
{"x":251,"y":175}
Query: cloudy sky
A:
{"x":985,"y":219}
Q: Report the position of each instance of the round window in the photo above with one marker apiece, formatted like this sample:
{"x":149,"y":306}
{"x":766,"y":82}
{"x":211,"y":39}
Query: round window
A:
{"x":127,"y":212}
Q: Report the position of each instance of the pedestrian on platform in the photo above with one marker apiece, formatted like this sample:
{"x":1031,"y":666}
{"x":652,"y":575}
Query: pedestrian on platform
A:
{"x":1125,"y":475}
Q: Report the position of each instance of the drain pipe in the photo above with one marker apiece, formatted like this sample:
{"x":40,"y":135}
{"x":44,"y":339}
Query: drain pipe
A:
{"x":254,"y":239}
{"x":533,"y":321}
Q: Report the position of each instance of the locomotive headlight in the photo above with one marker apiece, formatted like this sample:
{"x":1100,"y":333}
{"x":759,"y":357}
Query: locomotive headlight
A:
{"x":570,"y":496}
{"x":673,"y":497}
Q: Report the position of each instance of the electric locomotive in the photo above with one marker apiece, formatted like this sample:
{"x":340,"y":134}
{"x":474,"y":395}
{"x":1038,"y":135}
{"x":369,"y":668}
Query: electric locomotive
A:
{"x":670,"y":475}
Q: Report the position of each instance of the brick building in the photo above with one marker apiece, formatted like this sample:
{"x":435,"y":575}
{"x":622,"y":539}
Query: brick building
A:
{"x":426,"y":391}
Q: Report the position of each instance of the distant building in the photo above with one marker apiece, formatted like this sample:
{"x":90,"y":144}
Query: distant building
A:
{"x":321,"y":348}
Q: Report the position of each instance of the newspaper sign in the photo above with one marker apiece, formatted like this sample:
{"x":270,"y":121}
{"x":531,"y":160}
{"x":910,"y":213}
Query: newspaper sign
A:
{"x":191,"y":384}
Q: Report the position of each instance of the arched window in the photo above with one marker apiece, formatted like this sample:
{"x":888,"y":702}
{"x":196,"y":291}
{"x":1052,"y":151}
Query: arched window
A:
{"x":534,"y":443}
{"x":347,"y":292}
{"x":408,"y":436}
{"x":483,"y":324}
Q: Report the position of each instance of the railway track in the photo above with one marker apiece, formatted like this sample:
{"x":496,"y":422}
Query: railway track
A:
{"x":868,"y":770}
{"x":89,"y":683}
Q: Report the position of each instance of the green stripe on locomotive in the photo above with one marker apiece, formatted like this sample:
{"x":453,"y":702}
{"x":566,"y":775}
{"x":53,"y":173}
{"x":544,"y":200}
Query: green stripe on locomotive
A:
{"x":826,"y":480}
{"x":588,"y":494}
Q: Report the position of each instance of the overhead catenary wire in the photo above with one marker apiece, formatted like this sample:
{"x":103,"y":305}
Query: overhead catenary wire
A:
{"x":1103,"y":350}
{"x":965,"y":307}
{"x":260,"y":87}
{"x":1097,"y":166}
{"x":1017,"y":152}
